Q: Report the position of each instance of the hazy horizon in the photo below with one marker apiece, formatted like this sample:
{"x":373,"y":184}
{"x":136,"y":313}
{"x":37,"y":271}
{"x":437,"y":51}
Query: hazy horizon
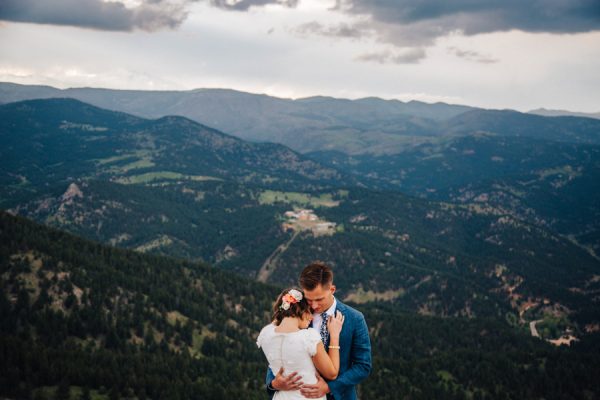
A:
{"x":295,"y":98}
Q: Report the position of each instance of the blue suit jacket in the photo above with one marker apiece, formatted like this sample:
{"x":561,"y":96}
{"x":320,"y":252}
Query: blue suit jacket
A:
{"x":355,"y":355}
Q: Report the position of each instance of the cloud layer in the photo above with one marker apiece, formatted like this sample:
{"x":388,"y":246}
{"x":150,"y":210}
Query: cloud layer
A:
{"x":410,"y":56}
{"x":245,"y":5}
{"x":114,"y":15}
{"x":405,"y":22}
{"x":409,"y":26}
{"x":401,"y":29}
{"x":149,"y":15}
{"x":342,"y":30}
{"x":424,"y":20}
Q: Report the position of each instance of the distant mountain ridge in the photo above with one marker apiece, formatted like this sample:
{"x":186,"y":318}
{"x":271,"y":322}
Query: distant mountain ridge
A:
{"x":563,"y":113}
{"x":368,"y":125}
{"x":308,"y":124}
{"x":513,"y":123}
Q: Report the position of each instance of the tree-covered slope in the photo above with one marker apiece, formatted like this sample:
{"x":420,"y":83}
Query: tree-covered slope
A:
{"x":513,"y":123}
{"x":78,"y":317}
{"x":75,"y":312}
{"x":550,"y":184}
{"x":51,"y":141}
{"x":435,"y":258}
{"x":219,"y":222}
{"x":449,"y":259}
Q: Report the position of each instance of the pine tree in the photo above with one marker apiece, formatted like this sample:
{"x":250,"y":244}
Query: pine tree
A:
{"x":85,"y":393}
{"x":114,"y":393}
{"x":63,"y":390}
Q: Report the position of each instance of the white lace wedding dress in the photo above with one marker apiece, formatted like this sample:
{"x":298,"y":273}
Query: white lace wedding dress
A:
{"x":293,"y":351}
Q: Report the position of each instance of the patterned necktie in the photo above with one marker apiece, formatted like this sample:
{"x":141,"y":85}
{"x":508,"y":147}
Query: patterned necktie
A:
{"x":323,"y":331}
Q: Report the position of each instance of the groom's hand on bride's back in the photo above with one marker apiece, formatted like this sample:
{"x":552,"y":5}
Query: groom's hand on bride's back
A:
{"x":317,"y":390}
{"x":291,"y":382}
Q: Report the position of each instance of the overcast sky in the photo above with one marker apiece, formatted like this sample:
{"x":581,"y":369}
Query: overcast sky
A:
{"x":488,"y":53}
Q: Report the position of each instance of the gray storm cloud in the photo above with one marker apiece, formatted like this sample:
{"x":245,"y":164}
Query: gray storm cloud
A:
{"x":434,"y":17}
{"x":410,"y":24}
{"x":150,"y":15}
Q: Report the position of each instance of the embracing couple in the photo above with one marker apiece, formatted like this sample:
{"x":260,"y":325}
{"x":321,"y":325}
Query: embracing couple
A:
{"x":317,"y":347}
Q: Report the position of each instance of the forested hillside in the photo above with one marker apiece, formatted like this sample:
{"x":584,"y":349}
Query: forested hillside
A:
{"x":178,"y":188}
{"x":82,"y":319}
{"x":122,"y":323}
{"x":49,"y":142}
{"x":551,"y":184}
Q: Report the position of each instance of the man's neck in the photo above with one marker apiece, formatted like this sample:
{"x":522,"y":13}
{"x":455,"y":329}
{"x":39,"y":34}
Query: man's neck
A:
{"x":327,"y":307}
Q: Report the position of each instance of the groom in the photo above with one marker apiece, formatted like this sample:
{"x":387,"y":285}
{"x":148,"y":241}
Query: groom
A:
{"x":355,"y":346}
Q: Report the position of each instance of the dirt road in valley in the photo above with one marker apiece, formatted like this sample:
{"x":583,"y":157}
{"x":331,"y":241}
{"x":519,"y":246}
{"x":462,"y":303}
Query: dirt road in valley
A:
{"x":533,"y":329}
{"x":270,"y":264}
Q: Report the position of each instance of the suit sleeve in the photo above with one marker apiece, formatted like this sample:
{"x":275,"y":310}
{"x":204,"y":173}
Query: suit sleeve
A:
{"x":268,"y":379}
{"x":360,"y":360}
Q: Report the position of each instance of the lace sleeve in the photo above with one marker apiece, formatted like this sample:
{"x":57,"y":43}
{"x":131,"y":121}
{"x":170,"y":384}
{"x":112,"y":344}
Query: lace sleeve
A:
{"x":312,"y":339}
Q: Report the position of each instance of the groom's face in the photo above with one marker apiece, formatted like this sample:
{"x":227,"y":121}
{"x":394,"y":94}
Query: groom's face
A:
{"x":320,"y":298}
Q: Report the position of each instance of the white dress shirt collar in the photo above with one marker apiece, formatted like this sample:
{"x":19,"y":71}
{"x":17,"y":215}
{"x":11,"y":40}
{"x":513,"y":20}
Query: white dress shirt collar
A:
{"x":331,"y":309}
{"x":318,"y":320}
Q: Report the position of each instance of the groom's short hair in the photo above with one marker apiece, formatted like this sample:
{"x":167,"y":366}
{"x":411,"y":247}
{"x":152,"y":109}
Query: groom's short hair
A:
{"x":315,"y":274}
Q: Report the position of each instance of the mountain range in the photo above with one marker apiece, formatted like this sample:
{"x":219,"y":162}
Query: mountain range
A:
{"x":172,"y":186}
{"x":563,"y":113}
{"x":303,"y":124}
{"x":369,"y":125}
{"x":436,"y":218}
{"x":67,"y":131}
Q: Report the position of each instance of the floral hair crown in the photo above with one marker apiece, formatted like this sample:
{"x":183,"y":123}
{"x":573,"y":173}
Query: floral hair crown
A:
{"x":291,"y":297}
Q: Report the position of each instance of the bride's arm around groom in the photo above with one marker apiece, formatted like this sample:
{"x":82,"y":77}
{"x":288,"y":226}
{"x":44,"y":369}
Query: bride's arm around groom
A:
{"x":355,"y":358}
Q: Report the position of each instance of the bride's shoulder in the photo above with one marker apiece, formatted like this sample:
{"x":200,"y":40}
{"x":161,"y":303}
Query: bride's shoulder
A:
{"x":266,"y":332}
{"x":267,"y":328}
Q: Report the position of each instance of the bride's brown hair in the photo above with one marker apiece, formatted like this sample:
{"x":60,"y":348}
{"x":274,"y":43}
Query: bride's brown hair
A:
{"x":296,"y":310}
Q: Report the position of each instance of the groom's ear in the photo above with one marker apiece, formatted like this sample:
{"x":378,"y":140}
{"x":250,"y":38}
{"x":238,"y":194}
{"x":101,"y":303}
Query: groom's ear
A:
{"x":332,"y":289}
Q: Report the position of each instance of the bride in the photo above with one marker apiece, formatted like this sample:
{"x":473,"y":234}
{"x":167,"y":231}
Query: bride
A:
{"x":292,"y":348}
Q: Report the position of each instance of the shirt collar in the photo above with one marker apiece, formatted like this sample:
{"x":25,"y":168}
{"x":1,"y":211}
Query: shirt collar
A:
{"x":331,"y":310}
